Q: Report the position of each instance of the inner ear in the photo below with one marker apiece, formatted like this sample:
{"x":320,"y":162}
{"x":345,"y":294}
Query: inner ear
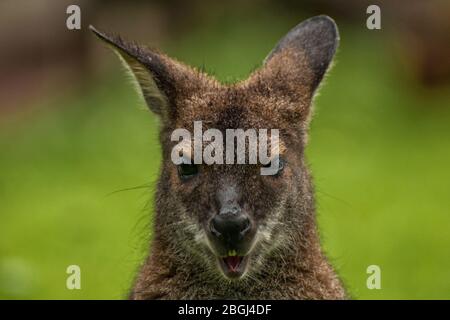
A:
{"x":136,"y":60}
{"x":154,"y":97}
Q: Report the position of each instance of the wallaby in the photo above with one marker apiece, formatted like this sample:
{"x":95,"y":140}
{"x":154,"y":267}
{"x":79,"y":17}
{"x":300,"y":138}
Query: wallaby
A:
{"x":225,"y":231}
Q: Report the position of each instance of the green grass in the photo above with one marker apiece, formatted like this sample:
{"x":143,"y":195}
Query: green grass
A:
{"x":379,"y":151}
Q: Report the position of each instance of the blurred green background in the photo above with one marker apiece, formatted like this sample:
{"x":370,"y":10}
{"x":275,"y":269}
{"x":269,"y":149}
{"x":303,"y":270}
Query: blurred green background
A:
{"x":74,"y":135}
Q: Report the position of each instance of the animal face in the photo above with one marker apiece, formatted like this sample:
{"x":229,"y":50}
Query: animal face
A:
{"x":233,"y":207}
{"x":230,"y":218}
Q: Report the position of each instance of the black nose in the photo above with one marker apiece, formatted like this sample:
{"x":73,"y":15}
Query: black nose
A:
{"x":230,"y":226}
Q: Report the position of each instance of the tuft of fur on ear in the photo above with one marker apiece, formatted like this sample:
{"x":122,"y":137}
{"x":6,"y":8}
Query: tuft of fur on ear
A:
{"x":159,"y":79}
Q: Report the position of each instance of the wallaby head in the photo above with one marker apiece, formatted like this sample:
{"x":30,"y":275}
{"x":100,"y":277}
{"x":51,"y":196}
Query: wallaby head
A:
{"x":226,"y":225}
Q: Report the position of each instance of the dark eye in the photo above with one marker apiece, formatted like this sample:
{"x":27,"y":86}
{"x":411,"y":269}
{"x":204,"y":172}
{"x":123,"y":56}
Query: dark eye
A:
{"x":281,"y":165}
{"x":187,"y":171}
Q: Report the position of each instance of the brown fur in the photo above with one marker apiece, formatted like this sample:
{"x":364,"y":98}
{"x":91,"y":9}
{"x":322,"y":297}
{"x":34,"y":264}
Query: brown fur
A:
{"x":286,"y":262}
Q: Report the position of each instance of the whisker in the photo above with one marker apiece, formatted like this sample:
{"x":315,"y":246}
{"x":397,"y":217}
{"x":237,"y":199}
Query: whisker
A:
{"x":143,"y":186}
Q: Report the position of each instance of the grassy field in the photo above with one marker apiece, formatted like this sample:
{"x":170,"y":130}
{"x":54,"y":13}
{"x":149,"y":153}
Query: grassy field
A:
{"x":379,"y":151}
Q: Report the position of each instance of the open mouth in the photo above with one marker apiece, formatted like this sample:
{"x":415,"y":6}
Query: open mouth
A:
{"x":233,"y":266}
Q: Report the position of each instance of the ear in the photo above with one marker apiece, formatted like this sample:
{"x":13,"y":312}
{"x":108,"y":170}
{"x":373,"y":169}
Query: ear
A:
{"x":159,"y":78}
{"x":300,"y":59}
{"x":317,"y":39}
